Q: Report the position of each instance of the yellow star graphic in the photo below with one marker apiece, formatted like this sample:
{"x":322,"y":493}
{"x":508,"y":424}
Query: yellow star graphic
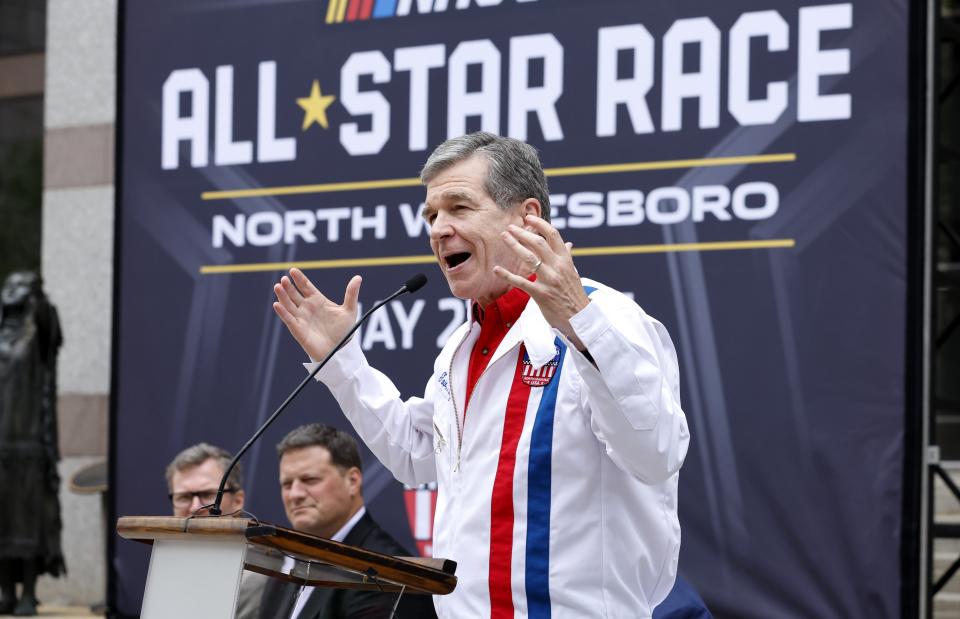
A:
{"x":315,"y":107}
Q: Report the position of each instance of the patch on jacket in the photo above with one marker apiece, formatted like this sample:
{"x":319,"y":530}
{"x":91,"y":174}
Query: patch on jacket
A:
{"x":540,"y":376}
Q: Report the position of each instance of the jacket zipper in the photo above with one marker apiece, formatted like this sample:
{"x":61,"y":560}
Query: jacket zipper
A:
{"x":441,"y":442}
{"x":453,"y":399}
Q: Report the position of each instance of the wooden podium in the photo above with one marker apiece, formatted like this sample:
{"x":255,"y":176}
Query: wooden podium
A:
{"x":196,"y":564}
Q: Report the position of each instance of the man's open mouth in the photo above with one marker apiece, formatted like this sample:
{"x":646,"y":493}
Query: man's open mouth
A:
{"x":455,"y":260}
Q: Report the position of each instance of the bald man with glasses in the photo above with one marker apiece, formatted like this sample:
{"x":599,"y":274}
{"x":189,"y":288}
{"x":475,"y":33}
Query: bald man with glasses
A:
{"x":192,"y":481}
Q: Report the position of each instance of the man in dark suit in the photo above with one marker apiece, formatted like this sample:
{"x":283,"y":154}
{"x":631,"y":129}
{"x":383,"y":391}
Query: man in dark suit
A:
{"x":321,"y":483}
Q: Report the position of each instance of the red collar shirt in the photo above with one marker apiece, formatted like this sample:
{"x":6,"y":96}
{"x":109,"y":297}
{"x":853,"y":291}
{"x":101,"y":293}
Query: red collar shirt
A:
{"x":495,"y":320}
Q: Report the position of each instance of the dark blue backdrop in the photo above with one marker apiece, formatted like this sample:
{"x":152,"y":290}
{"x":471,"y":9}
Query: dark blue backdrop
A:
{"x":790,"y":332}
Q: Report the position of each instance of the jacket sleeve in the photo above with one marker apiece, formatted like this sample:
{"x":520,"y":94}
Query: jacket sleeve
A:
{"x":632,"y":394}
{"x":399,"y":433}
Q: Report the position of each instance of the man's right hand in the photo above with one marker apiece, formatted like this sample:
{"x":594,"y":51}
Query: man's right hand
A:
{"x":316,"y":322}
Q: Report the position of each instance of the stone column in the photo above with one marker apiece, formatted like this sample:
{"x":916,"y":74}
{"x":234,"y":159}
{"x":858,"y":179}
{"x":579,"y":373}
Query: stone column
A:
{"x":77,"y":265}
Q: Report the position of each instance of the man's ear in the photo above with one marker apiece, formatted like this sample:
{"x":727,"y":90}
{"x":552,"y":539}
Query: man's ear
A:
{"x":531,"y":206}
{"x":354,"y":480}
{"x":238,"y":497}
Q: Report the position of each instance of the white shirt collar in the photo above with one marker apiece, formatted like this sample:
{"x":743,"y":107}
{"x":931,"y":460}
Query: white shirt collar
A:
{"x":340,"y":535}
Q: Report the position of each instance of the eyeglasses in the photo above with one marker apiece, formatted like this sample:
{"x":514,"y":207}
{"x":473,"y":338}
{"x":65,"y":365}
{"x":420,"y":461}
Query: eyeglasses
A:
{"x":185,"y":499}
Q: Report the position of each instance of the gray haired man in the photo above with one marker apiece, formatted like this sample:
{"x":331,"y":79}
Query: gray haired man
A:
{"x":552,"y":422}
{"x":192,"y":480}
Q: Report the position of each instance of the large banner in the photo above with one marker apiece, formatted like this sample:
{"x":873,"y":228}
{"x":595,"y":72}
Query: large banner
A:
{"x":739,"y":167}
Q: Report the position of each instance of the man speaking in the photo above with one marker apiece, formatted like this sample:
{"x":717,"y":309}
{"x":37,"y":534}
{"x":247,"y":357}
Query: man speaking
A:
{"x":552,"y":421}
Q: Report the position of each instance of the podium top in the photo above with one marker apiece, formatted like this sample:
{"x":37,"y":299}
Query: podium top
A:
{"x":365,"y":568}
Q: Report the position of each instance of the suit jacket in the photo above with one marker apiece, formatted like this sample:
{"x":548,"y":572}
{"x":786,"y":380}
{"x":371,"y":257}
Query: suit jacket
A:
{"x":251,"y":590}
{"x":279,"y":597}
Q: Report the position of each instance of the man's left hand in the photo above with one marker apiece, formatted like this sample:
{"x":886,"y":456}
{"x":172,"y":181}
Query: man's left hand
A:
{"x":557,"y":289}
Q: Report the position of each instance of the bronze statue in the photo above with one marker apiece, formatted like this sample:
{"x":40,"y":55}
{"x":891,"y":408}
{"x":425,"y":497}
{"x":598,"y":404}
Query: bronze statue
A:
{"x":29,"y":506}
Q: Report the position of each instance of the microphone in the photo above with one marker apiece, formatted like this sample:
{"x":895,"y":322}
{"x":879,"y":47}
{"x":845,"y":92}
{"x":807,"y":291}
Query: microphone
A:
{"x":413,"y":284}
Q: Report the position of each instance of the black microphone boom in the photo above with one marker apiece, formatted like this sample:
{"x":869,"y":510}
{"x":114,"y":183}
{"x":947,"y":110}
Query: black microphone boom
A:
{"x":412,"y":285}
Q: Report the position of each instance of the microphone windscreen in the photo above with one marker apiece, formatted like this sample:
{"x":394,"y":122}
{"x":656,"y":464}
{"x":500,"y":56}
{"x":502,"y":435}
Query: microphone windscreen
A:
{"x":416,"y":282}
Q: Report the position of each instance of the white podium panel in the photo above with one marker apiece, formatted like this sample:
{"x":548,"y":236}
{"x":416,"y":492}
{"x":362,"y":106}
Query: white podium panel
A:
{"x":193,"y":579}
{"x":197,"y":563}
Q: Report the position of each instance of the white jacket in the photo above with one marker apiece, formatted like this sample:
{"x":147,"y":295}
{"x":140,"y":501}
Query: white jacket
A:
{"x":566,"y":492}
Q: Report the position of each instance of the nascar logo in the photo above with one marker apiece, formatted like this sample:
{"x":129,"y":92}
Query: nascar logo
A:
{"x":358,"y":10}
{"x":540,"y":376}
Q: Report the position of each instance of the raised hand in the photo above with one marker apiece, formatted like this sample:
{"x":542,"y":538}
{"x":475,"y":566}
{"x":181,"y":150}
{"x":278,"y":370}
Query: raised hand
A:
{"x":557,"y":291}
{"x":316,"y":322}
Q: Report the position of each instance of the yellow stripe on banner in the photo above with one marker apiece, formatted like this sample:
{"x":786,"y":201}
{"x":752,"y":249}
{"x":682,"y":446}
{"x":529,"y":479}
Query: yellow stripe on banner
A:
{"x":331,"y":10}
{"x":390,"y":183}
{"x":616,"y":250}
{"x":670,"y":164}
{"x":342,"y":11}
{"x":613,"y":168}
{"x":387,"y":261}
{"x":623,"y":250}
